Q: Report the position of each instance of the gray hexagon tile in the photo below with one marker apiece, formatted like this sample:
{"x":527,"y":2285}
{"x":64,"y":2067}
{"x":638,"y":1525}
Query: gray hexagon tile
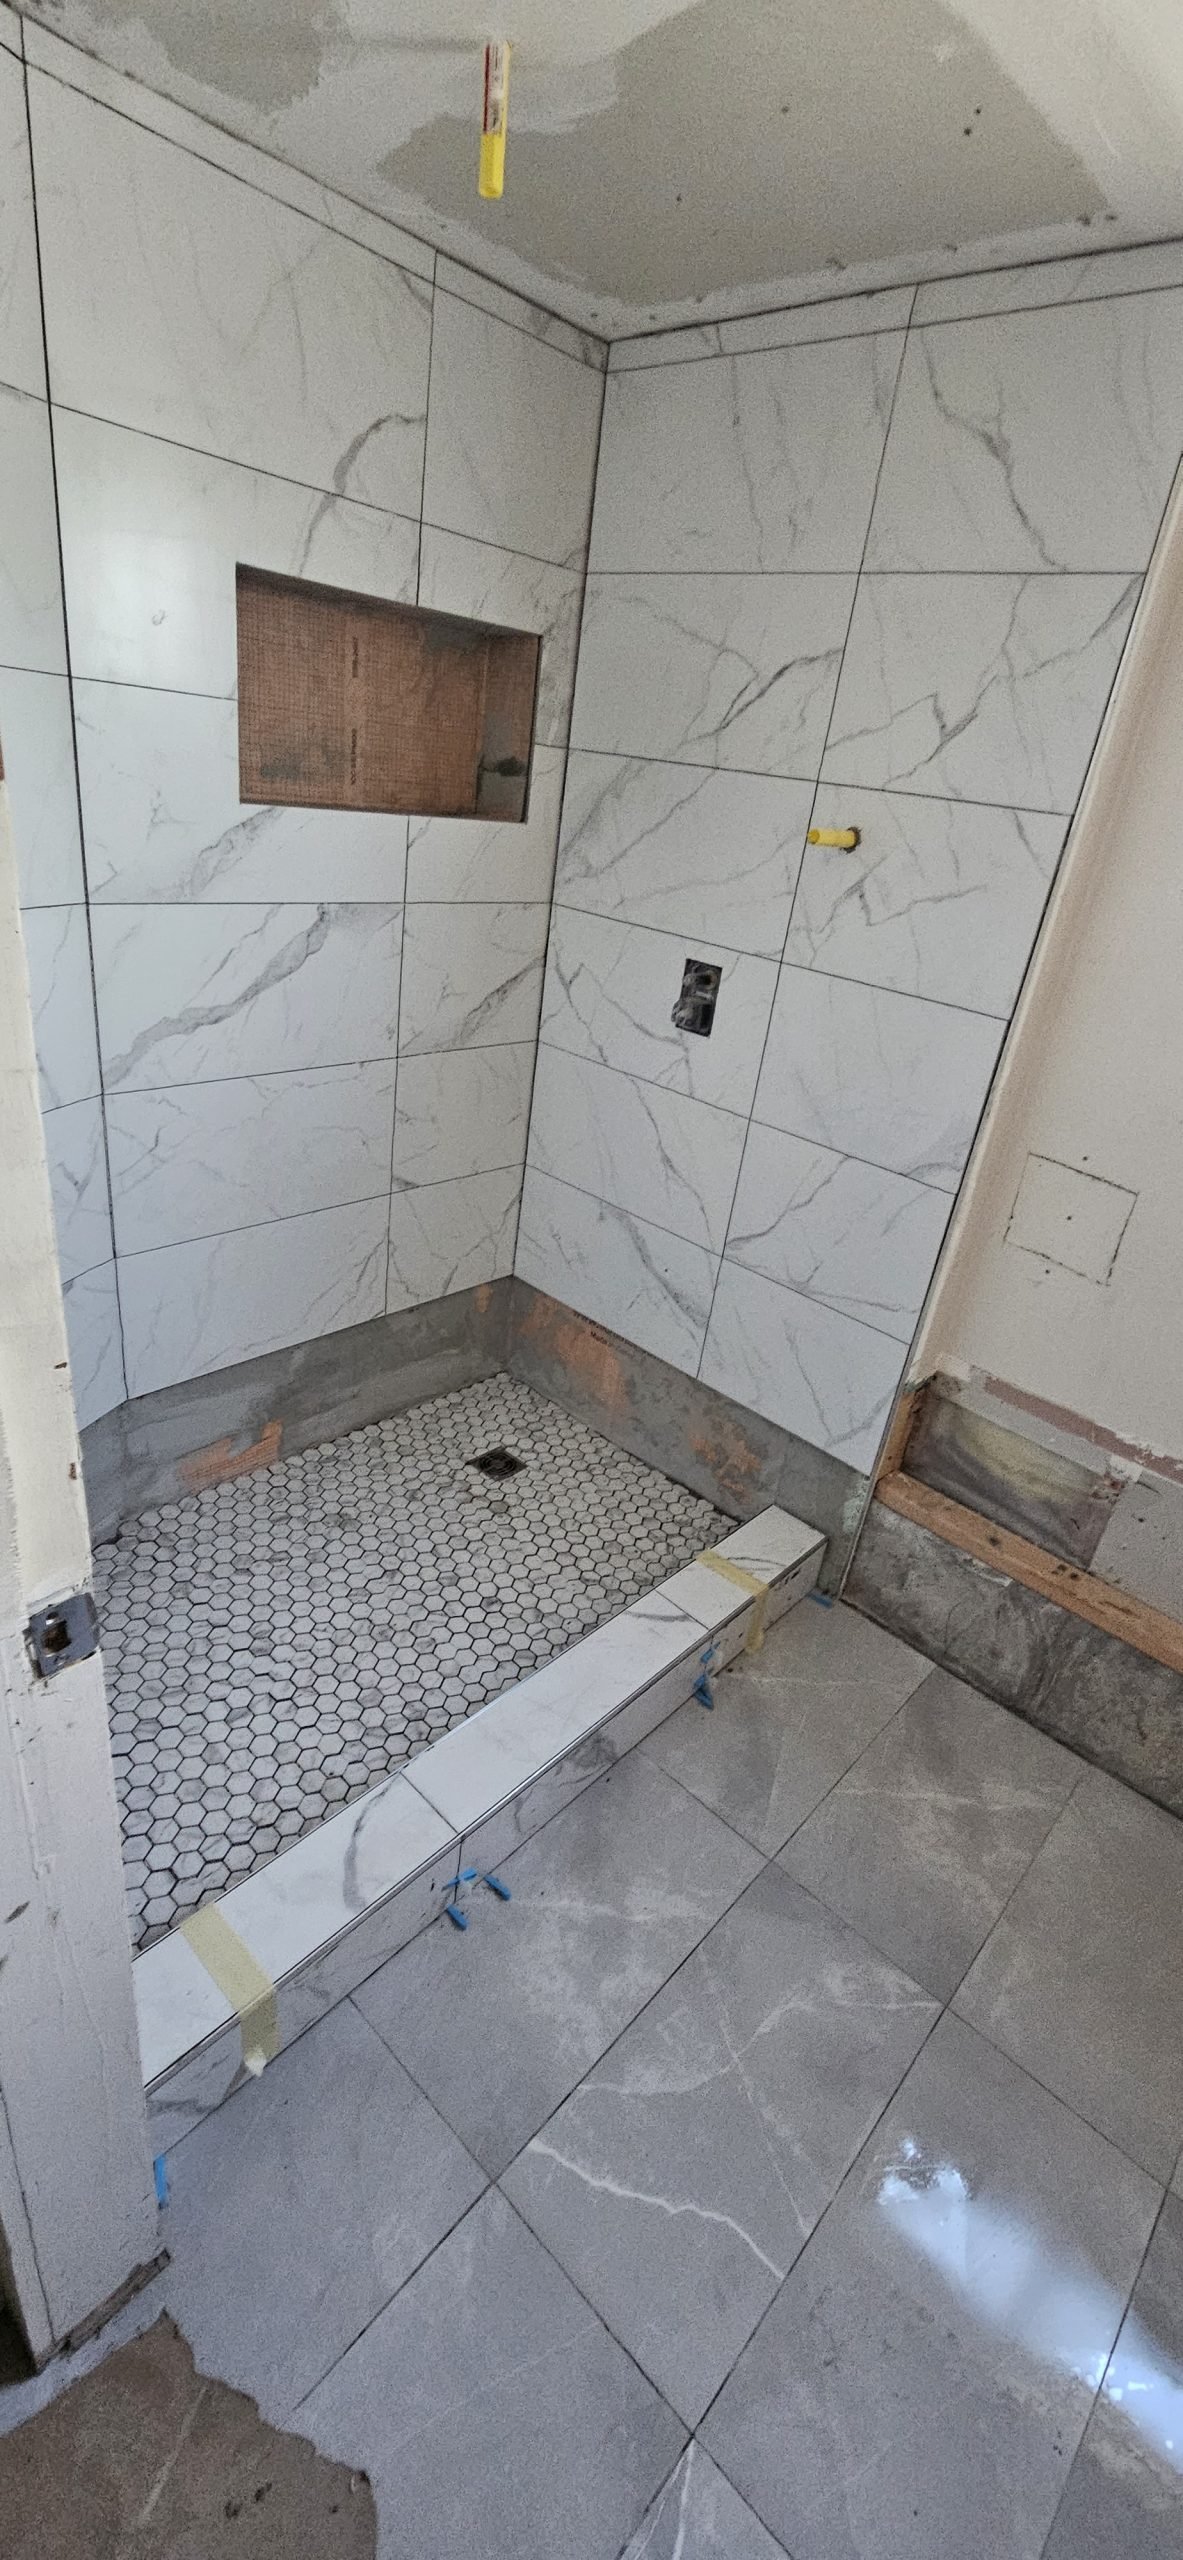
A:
{"x":276,"y":1645}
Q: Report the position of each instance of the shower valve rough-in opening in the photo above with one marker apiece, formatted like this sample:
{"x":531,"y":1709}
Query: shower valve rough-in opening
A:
{"x":695,"y":1008}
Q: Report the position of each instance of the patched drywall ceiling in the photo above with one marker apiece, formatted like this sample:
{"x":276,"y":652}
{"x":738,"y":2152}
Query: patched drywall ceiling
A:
{"x":672,"y":159}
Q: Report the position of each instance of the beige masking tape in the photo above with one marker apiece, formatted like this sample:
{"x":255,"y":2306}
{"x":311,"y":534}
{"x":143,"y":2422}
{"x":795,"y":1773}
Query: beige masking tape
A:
{"x":229,"y":1963}
{"x":738,"y":1573}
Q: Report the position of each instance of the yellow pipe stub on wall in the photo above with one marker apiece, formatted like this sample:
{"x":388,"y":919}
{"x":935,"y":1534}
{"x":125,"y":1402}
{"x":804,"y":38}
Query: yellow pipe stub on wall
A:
{"x":841,"y":839}
{"x":491,"y":180}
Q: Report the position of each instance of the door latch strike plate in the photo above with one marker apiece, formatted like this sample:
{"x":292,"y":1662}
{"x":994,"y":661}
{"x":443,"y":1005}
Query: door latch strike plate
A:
{"x":67,"y":1631}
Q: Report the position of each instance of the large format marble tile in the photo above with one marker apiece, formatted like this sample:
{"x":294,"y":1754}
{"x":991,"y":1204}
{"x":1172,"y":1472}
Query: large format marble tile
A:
{"x":1042,"y":440}
{"x":178,"y":306}
{"x":1049,"y":280}
{"x":458,"y":2398}
{"x":941,"y":898}
{"x":22,"y":358}
{"x":461,"y":1111}
{"x":77,"y":1157}
{"x":37,"y":741}
{"x":978,"y":688}
{"x":57,"y":950}
{"x":749,"y":462}
{"x":712,"y":669}
{"x":657,"y":1154}
{"x":799,"y":1363}
{"x":486,"y":294}
{"x":457,"y":859}
{"x":190,"y":992}
{"x":199,"y":1159}
{"x":95,"y":1342}
{"x":679,"y":2182}
{"x":1126,"y":2484}
{"x":926,"y":2372}
{"x":863,"y":1240}
{"x":164,"y":821}
{"x":31,"y":629}
{"x":699,"y":2516}
{"x":650,"y":1286}
{"x":891,"y":1078}
{"x":472,"y":976}
{"x":490,"y":585}
{"x":610,"y":993}
{"x":150,"y":538}
{"x":849,"y":315}
{"x":712,"y":855}
{"x":513,"y":461}
{"x":190,"y":1308}
{"x":446,"y":1236}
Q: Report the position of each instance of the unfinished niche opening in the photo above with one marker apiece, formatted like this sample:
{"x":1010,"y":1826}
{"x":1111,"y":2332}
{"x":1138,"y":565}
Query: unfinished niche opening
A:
{"x":349,"y":702}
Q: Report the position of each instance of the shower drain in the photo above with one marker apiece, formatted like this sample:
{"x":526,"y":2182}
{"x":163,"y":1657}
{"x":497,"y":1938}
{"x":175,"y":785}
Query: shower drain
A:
{"x":497,"y":1462}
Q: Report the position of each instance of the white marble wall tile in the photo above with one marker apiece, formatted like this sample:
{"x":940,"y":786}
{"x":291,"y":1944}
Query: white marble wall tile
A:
{"x":750,"y":462}
{"x":978,"y":688}
{"x":22,"y":358}
{"x":610,"y":991}
{"x":77,"y":1156}
{"x":657,"y":1154}
{"x":455,"y":859}
{"x":941,"y":897}
{"x":176,"y":304}
{"x":713,"y":855}
{"x":794,"y":1360}
{"x":850,"y":316}
{"x":199,"y":1159}
{"x":478,"y":579}
{"x":1044,"y":440}
{"x":10,"y":31}
{"x":1085,"y":279}
{"x":150,"y":537}
{"x":462,"y":1111}
{"x":57,"y":949}
{"x":188,"y":992}
{"x":511,"y":439}
{"x":863,"y":1240}
{"x":38,"y":743}
{"x":190,"y":1308}
{"x":712,"y":670}
{"x":893,"y":1079}
{"x":472,"y":976}
{"x":31,"y":628}
{"x":446,"y":1236}
{"x":497,"y":299}
{"x":96,"y":1348}
{"x":159,"y":777}
{"x":652,"y":1287}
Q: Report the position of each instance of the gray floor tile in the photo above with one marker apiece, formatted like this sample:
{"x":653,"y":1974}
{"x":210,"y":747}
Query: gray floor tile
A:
{"x":1082,"y":1980}
{"x":698,"y":2516}
{"x":300,"y":2207}
{"x":499,"y":2023}
{"x":679,"y":2183}
{"x":495,"y":2416}
{"x":922,"y":1842}
{"x":921,"y":2382}
{"x":1124,"y":2500}
{"x":788,"y":1721}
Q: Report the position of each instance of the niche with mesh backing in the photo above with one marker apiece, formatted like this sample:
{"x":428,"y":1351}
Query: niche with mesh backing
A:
{"x":348,"y":702}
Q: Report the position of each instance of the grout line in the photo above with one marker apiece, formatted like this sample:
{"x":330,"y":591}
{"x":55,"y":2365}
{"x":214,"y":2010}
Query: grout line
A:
{"x":814,"y":782}
{"x":740,"y":951}
{"x":235,"y":462}
{"x":742,"y":571}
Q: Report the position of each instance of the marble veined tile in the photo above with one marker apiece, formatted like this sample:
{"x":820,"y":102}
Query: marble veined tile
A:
{"x":652,"y":1287}
{"x":511,"y":438}
{"x":188,"y":992}
{"x":941,"y":897}
{"x":487,"y":295}
{"x":77,"y":1160}
{"x":657,"y":1154}
{"x":845,"y":316}
{"x":482,"y":858}
{"x":461,"y":1111}
{"x":864,"y":1240}
{"x":1038,"y":440}
{"x":179,"y":306}
{"x":800,"y":1363}
{"x":490,"y":585}
{"x":446,"y":1236}
{"x":978,"y":688}
{"x":38,"y":743}
{"x":57,"y":950}
{"x":31,"y":628}
{"x":750,"y":462}
{"x":150,"y":538}
{"x":610,"y":991}
{"x":894,"y":1079}
{"x":190,"y":1308}
{"x":22,"y":358}
{"x":159,"y":779}
{"x":472,"y":976}
{"x":91,"y":1305}
{"x":1049,"y":280}
{"x":712,"y":669}
{"x":198,"y":1159}
{"x":691,"y":851}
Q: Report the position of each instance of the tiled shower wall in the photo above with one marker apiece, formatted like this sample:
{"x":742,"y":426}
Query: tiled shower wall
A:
{"x":315,"y":1036}
{"x":865,"y":564}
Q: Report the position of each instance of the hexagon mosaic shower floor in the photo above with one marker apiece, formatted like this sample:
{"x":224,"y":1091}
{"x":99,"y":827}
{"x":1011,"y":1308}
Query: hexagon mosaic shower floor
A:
{"x":276,"y":1645}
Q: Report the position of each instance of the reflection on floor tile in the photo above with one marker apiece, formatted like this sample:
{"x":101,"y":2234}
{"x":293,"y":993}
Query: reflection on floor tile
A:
{"x":1124,"y":2500}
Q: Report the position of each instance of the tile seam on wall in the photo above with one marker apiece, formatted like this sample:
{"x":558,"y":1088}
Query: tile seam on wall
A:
{"x":1027,"y":571}
{"x":884,"y":328}
{"x":402,"y":937}
{"x":280,"y":1218}
{"x":744,"y":951}
{"x":754,"y":773}
{"x":231,"y":462}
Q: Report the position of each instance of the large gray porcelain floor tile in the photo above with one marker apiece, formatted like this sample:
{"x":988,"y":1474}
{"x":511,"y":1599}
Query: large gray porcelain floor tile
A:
{"x":699,"y":2516}
{"x":1124,"y":2500}
{"x":499,"y":2023}
{"x":1082,"y":1980}
{"x":495,"y":2416}
{"x":679,"y":2183}
{"x":789,"y":1720}
{"x":921,"y":2383}
{"x":301,"y":2206}
{"x":931,"y":1830}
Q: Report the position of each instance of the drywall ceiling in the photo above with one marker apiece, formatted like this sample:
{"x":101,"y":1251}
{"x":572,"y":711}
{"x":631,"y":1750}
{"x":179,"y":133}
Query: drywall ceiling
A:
{"x":671,"y":159}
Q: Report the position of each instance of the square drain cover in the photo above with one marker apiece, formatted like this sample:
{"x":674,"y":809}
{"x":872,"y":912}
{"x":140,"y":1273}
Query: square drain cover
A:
{"x":497,"y":1462}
